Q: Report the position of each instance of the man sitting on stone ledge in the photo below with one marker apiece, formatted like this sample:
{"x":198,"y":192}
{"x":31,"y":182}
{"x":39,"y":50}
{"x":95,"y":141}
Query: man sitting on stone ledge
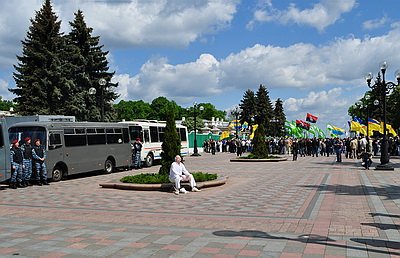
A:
{"x":178,"y":174}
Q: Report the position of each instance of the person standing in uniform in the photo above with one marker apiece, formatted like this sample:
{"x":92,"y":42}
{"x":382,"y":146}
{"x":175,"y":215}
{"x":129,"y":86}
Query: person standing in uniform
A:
{"x":295,"y":149}
{"x":39,"y":156}
{"x":27,"y":170}
{"x":137,"y":150}
{"x":17,"y":158}
{"x":337,"y":143}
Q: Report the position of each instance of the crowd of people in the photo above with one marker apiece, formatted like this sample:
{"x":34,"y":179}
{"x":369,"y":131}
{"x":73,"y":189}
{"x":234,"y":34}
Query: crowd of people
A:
{"x":359,"y":147}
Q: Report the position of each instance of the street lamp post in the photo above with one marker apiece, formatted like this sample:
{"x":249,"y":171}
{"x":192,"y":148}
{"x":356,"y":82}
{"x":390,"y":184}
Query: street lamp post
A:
{"x":92,"y":91}
{"x":236,"y":112}
{"x":365,"y":106}
{"x":383,"y":87}
{"x":102,"y":83}
{"x":195,"y":108}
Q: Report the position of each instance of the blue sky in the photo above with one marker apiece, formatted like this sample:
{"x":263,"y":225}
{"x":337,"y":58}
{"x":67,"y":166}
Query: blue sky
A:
{"x":311,"y":54}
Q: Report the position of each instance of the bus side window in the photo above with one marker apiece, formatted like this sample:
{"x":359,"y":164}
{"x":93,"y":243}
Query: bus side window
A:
{"x":125,"y":133}
{"x":55,"y":141}
{"x":146,"y":136}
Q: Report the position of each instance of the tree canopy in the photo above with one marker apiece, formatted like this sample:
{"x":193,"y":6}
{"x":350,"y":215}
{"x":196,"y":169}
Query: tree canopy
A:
{"x":56,"y":71}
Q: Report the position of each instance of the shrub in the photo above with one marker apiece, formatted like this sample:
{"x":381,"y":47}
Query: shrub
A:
{"x":162,"y":178}
{"x":252,"y":156}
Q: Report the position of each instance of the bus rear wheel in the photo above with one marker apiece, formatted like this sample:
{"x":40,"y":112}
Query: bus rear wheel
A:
{"x":149,"y":160}
{"x":57,"y":174}
{"x":109,"y":166}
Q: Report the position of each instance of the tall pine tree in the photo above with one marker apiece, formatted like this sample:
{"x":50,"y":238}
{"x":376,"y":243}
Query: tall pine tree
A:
{"x":279,"y":118}
{"x":94,"y":68}
{"x":38,"y":74}
{"x":171,"y":145}
{"x":264,"y":108}
{"x":248,"y":107}
{"x":260,"y":149}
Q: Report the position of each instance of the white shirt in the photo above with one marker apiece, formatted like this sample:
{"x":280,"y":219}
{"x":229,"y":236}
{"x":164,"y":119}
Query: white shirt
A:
{"x":177,"y":170}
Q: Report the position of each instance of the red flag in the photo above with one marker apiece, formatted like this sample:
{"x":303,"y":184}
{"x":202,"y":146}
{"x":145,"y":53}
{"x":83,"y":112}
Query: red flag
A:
{"x":302,"y":124}
{"x":311,"y":118}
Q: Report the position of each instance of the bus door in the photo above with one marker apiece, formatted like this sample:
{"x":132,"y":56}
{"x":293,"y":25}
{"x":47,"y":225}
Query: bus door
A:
{"x":56,"y":152}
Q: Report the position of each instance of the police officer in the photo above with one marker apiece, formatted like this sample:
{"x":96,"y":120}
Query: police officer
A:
{"x":39,"y":156}
{"x":137,"y":150}
{"x":17,"y":158}
{"x":27,"y":170}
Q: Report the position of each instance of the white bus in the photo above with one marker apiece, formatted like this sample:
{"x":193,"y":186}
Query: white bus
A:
{"x":78,"y":147}
{"x":151,"y":133}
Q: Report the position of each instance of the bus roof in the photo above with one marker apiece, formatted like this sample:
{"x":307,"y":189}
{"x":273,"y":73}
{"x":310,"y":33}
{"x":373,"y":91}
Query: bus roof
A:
{"x":69,"y":124}
{"x":141,"y":122}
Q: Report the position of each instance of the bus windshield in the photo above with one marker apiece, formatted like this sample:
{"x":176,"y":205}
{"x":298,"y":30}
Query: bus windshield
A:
{"x":33,"y":132}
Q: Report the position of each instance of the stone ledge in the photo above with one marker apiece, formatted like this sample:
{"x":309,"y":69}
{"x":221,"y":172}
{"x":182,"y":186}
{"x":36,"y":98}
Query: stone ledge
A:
{"x":162,"y":187}
{"x":258,"y":160}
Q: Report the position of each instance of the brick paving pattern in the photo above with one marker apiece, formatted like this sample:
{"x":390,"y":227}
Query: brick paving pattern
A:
{"x":313,"y":207}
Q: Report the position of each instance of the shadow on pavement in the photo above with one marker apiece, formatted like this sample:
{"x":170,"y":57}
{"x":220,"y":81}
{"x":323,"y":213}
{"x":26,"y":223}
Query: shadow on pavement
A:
{"x":377,"y":243}
{"x":373,"y":214}
{"x":382,"y":226}
{"x":316,"y":239}
{"x":391,"y":192}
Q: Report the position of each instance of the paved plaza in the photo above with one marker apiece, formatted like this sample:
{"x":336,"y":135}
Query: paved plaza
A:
{"x":313,"y":207}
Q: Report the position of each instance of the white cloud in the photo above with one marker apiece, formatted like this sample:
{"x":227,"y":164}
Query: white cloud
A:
{"x":4,"y":92}
{"x":328,"y":106}
{"x":375,"y":24}
{"x":172,"y":23}
{"x":320,"y":16}
{"x":136,"y":23}
{"x":180,"y":82}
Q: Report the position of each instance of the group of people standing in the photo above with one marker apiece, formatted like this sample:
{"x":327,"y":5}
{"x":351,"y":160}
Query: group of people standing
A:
{"x":23,"y":159}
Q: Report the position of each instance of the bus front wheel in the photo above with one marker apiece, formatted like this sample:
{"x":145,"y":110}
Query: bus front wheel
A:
{"x":149,"y":160}
{"x":57,"y":174}
{"x":109,"y":166}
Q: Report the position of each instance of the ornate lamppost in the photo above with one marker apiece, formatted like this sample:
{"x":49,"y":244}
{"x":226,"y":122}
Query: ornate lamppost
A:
{"x":365,"y":106}
{"x":92,"y":91}
{"x":195,"y":108}
{"x":236,"y":112}
{"x":383,"y":88}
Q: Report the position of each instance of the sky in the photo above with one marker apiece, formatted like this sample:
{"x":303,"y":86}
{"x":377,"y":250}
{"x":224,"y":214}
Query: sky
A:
{"x":312,"y":54}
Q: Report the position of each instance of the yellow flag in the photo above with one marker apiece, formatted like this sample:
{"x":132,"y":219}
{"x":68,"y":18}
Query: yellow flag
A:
{"x":253,"y":130}
{"x":224,"y":135}
{"x":389,"y":129}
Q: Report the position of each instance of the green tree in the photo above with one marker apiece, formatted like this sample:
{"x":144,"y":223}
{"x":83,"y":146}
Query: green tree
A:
{"x":393,"y":109}
{"x":95,"y":68}
{"x":260,"y":149}
{"x":161,"y":106}
{"x":210,"y":111}
{"x":189,"y":123}
{"x":367,"y":101}
{"x":5,"y":105}
{"x":38,"y":73}
{"x":171,"y":145}
{"x":264,"y":108}
{"x":131,"y":110}
{"x":248,"y":106}
{"x":279,"y":119}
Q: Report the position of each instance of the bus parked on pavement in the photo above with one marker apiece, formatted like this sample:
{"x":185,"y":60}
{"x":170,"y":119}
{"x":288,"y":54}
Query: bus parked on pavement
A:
{"x":78,"y":147}
{"x":151,"y":134}
{"x":5,"y":123}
